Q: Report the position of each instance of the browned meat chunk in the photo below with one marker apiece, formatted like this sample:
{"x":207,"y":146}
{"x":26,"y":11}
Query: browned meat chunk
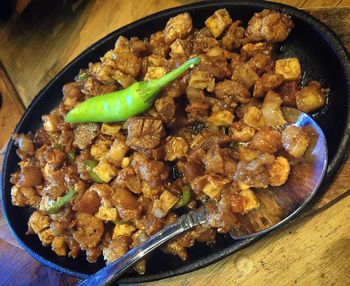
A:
{"x":288,"y":92}
{"x":216,"y":65}
{"x":295,"y":140}
{"x":245,"y":74}
{"x":177,"y":27}
{"x":92,"y":87}
{"x":270,"y":26}
{"x":116,"y":248}
{"x":30,"y":176}
{"x":311,"y":97}
{"x":249,"y":50}
{"x":151,"y":171}
{"x":218,"y":22}
{"x":25,"y":144}
{"x":89,"y":230}
{"x":144,"y":132}
{"x":84,"y":134}
{"x":128,"y":63}
{"x":137,"y":46}
{"x":214,"y":161}
{"x":127,"y":204}
{"x":175,"y":148}
{"x":234,"y":37}
{"x":203,"y":41}
{"x":25,"y":196}
{"x":127,"y":178}
{"x":255,"y":173}
{"x":230,"y":90}
{"x":166,"y":108}
{"x":72,"y":95}
{"x":88,"y":203}
{"x":267,"y":82}
{"x":261,"y":63}
{"x":267,"y":140}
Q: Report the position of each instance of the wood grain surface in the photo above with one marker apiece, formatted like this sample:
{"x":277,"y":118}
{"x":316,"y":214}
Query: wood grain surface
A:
{"x":35,"y":46}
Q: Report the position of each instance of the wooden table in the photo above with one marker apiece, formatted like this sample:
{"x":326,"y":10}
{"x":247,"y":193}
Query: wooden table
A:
{"x":314,"y":250}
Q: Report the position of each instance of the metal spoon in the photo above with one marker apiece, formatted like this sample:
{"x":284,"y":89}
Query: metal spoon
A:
{"x":277,"y":204}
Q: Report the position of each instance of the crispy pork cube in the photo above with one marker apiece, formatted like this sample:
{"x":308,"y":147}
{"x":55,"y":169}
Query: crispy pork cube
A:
{"x":250,"y":201}
{"x":117,"y":152}
{"x":105,"y":171}
{"x":24,"y":196}
{"x":267,"y":140}
{"x":122,"y":45}
{"x":38,"y":221}
{"x":289,"y":68}
{"x":202,"y":80}
{"x":214,"y":186}
{"x":234,"y":37}
{"x":178,"y":48}
{"x":253,"y":117}
{"x":218,"y":22}
{"x":247,"y":154}
{"x":46,"y":237}
{"x":295,"y":140}
{"x":51,"y":122}
{"x":221,"y":118}
{"x":110,"y":129}
{"x":310,"y":98}
{"x":59,"y":246}
{"x":242,"y":186}
{"x":245,"y":74}
{"x":162,"y":205}
{"x":148,"y":192}
{"x":279,"y":171}
{"x":177,"y":27}
{"x":175,"y":148}
{"x":100,"y":148}
{"x":107,"y":213}
{"x":241,"y":132}
{"x":154,"y":73}
{"x":125,"y":229}
{"x":267,"y":82}
{"x":123,"y":79}
{"x":271,"y":111}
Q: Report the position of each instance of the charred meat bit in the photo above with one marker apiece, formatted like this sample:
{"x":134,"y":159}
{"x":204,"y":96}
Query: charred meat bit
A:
{"x":84,"y":134}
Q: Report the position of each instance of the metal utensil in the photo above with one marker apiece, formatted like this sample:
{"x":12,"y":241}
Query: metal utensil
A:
{"x":277,"y":204}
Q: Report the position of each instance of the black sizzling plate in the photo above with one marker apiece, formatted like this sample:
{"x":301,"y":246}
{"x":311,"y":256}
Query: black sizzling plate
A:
{"x":322,"y":57}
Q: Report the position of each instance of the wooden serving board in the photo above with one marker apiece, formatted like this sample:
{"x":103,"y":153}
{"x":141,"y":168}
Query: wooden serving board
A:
{"x":322,"y":232}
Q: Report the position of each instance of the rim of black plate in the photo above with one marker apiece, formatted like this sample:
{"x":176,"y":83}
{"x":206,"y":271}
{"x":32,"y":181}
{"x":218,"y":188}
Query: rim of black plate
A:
{"x":333,"y":165}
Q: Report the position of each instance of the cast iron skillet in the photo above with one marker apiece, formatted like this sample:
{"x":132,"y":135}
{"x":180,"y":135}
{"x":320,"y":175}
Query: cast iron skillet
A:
{"x":322,"y":57}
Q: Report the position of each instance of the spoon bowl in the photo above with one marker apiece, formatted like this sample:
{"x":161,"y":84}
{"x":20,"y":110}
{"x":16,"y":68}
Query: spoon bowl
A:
{"x":277,"y":204}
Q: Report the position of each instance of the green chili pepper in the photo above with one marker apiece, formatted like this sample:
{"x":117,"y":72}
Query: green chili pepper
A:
{"x":233,"y":145}
{"x":90,"y":165}
{"x":58,"y":146}
{"x":122,"y":104}
{"x":71,"y":157}
{"x":56,"y":207}
{"x":186,"y":196}
{"x":82,"y":76}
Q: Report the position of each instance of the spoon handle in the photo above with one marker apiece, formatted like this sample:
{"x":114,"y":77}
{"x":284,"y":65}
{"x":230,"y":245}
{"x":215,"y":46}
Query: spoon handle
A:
{"x":114,"y":270}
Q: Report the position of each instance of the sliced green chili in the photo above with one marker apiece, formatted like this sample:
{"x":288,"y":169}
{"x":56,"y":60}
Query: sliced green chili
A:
{"x":90,"y":165}
{"x":58,"y":146}
{"x":233,"y":145}
{"x":186,"y":196}
{"x":83,"y":76}
{"x":56,"y":207}
{"x":125,"y":103}
{"x":71,"y":157}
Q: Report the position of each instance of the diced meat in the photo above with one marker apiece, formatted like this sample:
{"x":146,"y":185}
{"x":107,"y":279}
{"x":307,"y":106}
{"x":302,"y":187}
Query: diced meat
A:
{"x":88,"y":203}
{"x":127,"y":178}
{"x":311,"y":97}
{"x":175,"y":148}
{"x":231,"y":90}
{"x":267,"y":82}
{"x":38,"y":221}
{"x":166,"y":108}
{"x":288,"y":92}
{"x":59,"y":246}
{"x":216,"y":65}
{"x":117,"y":151}
{"x":151,"y":171}
{"x":270,"y":26}
{"x":179,"y":48}
{"x":267,"y":140}
{"x":154,"y":73}
{"x":144,"y":132}
{"x":122,"y":45}
{"x":218,"y":22}
{"x":162,"y":205}
{"x":289,"y":68}
{"x":157,"y":44}
{"x":89,"y":230}
{"x":245,"y":74}
{"x":128,"y":63}
{"x":271,"y":110}
{"x":116,"y":248}
{"x":249,"y":50}
{"x":295,"y":140}
{"x":25,"y":196}
{"x":24,"y":144}
{"x":203,"y":41}
{"x":242,"y":132}
{"x":234,"y":36}
{"x":100,"y":148}
{"x":202,"y":79}
{"x":84,"y":134}
{"x":93,"y":253}
{"x":255,"y":173}
{"x":253,"y":117}
{"x":126,"y":203}
{"x":214,"y":161}
{"x":72,"y":95}
{"x":30,"y":176}
{"x":92,"y":87}
{"x":191,"y":170}
{"x":261,"y":63}
{"x":123,"y":79}
{"x":177,"y":27}
{"x":279,"y":171}
{"x":138,"y":47}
